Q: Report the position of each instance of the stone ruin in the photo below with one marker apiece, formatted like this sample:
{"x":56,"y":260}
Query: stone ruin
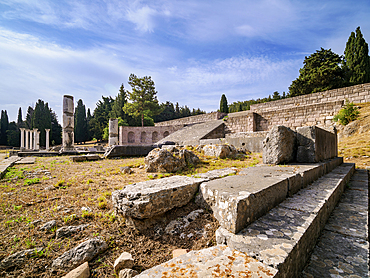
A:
{"x":68,"y":125}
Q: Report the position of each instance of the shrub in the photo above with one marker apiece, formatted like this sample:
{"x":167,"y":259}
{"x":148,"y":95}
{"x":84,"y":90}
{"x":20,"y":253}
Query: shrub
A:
{"x":347,"y":114}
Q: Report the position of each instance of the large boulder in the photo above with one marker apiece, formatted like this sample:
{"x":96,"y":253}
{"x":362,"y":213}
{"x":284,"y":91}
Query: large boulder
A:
{"x":169,"y":160}
{"x":279,"y":145}
{"x":220,"y":151}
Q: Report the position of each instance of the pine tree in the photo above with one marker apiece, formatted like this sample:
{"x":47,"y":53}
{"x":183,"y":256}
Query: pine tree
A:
{"x":144,"y":102}
{"x":356,"y":59}
{"x":321,"y":72}
{"x":81,"y":131}
{"x":56,"y":130}
{"x":223,"y":105}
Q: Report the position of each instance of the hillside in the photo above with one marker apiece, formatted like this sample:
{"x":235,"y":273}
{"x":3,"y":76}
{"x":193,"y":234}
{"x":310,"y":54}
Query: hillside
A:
{"x":354,"y":139}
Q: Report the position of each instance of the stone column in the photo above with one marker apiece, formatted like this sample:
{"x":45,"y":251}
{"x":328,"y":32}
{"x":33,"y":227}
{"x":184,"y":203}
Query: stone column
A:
{"x":27,"y":137}
{"x":38,"y":140}
{"x":34,"y":138}
{"x":68,"y":124}
{"x":113,"y":132}
{"x":47,"y":138}
{"x":22,"y":138}
{"x":31,"y":139}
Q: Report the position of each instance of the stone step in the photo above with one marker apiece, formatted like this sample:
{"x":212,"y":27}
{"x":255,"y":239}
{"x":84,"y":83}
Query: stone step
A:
{"x":276,"y":245}
{"x":237,"y":201}
{"x":343,"y":247}
{"x":285,"y":236}
{"x":6,"y":163}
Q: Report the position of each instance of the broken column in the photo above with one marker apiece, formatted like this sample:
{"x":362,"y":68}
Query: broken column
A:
{"x":47,"y":139}
{"x":113,"y":132}
{"x":68,"y":124}
{"x":22,"y":138}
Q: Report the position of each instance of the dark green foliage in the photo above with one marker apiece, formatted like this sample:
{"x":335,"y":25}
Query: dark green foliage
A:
{"x":143,"y":98}
{"x":321,"y":72}
{"x":4,"y":126}
{"x":100,"y":118}
{"x":56,"y":130}
{"x":169,"y":113}
{"x":13,"y":135}
{"x":276,"y":96}
{"x":223,"y":105}
{"x":80,"y":130}
{"x":41,"y":119}
{"x":347,"y":114}
{"x":356,"y":62}
{"x":28,"y":122}
{"x":19,"y":118}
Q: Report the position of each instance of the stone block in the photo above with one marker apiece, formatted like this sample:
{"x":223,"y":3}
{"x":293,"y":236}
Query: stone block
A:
{"x":151,"y":198}
{"x":125,"y":260}
{"x":315,"y":144}
{"x":279,"y":145}
{"x":178,"y":252}
{"x":239,"y":200}
{"x":83,"y":271}
{"x":217,"y":261}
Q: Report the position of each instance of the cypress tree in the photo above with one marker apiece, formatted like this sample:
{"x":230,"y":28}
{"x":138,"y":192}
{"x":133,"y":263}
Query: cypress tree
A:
{"x":19,"y":118}
{"x":4,"y":127}
{"x":81,"y":131}
{"x":223,"y":105}
{"x":356,"y":59}
{"x":41,"y":119}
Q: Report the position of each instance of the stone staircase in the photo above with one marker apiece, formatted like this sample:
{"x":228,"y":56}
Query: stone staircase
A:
{"x":270,"y":220}
{"x":191,"y":135}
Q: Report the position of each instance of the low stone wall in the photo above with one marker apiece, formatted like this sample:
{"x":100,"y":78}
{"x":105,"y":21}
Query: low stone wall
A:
{"x":244,"y":121}
{"x":247,"y":141}
{"x":316,"y":144}
{"x":147,"y":135}
{"x":357,"y":94}
{"x":193,"y":119}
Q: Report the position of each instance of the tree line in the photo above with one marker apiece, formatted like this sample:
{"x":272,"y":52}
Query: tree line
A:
{"x":324,"y":70}
{"x":138,"y":107}
{"x":40,"y":117}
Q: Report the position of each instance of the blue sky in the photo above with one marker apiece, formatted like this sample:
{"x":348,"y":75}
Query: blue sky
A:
{"x":194,"y":50}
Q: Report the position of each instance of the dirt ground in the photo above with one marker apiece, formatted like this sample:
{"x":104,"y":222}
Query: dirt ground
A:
{"x":55,"y":188}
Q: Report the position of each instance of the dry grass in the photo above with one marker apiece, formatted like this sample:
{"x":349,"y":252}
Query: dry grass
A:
{"x":356,"y":148}
{"x":73,"y":185}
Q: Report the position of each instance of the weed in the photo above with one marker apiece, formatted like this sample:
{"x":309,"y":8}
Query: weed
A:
{"x":39,"y":254}
{"x":17,"y":207}
{"x":69,"y":218}
{"x":87,"y":214}
{"x":89,"y":181}
{"x":29,"y":243}
{"x":31,"y":181}
{"x":102,"y":204}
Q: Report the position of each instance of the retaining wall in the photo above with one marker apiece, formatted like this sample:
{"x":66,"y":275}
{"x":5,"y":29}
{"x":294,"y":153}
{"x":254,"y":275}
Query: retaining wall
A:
{"x":357,"y":94}
{"x":193,"y":119}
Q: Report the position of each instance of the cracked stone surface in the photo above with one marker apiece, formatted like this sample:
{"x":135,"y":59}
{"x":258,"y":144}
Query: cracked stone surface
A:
{"x":151,"y":198}
{"x":343,"y":248}
{"x":18,"y":258}
{"x":217,"y":261}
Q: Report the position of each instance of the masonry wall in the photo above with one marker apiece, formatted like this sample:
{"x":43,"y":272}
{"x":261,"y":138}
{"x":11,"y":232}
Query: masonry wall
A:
{"x":357,"y":94}
{"x":147,"y":135}
{"x":202,"y":118}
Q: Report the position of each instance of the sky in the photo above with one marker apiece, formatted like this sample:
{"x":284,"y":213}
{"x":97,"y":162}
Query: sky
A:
{"x":194,"y":50}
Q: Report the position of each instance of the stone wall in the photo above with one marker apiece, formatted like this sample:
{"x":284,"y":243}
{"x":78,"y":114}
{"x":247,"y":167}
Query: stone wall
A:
{"x":147,"y":135}
{"x":357,"y":94}
{"x":202,"y":118}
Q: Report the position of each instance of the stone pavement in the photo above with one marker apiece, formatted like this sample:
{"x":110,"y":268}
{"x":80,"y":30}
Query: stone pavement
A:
{"x":343,"y":248}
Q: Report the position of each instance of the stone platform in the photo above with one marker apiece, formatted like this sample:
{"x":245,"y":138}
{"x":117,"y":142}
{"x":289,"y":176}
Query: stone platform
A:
{"x":281,"y":240}
{"x":239,"y":200}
